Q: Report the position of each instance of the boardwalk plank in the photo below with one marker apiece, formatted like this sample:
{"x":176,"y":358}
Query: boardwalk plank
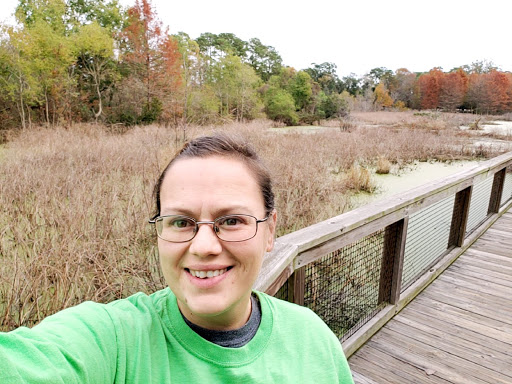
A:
{"x":426,"y":358}
{"x":482,"y":286}
{"x":466,"y":323}
{"x":489,"y":264}
{"x":460,"y":300}
{"x":456,"y":331}
{"x":473,"y":363}
{"x":442,"y":336}
{"x":463,"y":313}
{"x":402,"y":371}
{"x":485,"y":274}
{"x":361,"y":379}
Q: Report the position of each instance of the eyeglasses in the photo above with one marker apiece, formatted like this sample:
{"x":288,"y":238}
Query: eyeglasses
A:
{"x":231,"y":228}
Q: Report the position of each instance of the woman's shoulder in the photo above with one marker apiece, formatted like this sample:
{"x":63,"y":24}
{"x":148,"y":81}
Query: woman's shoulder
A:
{"x":140,"y":307}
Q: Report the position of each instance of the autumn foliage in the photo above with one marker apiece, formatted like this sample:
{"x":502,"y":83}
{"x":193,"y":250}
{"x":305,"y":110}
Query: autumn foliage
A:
{"x":78,"y":61}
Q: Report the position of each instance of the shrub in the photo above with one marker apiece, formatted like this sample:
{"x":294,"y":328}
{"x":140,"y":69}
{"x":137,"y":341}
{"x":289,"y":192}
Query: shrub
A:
{"x":383,"y":166}
{"x":280,"y":106}
{"x":359,"y":179}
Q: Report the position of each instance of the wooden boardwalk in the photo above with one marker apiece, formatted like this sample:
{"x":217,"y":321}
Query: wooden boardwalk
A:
{"x":458,"y":330}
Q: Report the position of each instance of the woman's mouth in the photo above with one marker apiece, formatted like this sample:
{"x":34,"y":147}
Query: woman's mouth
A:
{"x":208,"y":273}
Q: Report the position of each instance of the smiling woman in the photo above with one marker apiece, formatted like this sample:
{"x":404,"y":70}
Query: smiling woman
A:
{"x":215,"y":220}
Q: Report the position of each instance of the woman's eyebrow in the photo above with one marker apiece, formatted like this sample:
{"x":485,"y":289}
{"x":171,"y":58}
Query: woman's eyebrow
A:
{"x":232,"y":209}
{"x":176,"y":211}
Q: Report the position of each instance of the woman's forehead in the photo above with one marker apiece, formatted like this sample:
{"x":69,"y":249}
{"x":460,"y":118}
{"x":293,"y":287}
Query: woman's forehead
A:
{"x":224,"y":179}
{"x":206,"y":168}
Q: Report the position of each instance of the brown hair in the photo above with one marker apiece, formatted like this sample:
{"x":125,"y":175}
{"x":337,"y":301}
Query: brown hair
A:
{"x":228,"y":146}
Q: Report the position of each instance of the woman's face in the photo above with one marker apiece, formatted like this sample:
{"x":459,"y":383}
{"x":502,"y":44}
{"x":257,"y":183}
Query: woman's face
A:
{"x":205,"y":189}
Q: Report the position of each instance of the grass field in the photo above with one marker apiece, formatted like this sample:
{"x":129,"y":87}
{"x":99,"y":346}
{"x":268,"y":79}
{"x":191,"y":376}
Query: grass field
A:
{"x":75,"y":202}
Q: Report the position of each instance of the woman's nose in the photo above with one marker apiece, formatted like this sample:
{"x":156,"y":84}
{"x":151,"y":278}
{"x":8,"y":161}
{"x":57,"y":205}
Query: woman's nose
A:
{"x":205,"y":242}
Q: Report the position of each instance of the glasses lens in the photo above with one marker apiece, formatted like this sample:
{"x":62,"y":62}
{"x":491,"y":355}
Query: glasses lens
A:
{"x":236,"y":227}
{"x":175,"y":228}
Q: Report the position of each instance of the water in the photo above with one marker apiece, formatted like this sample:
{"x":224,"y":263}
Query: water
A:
{"x":414,"y":175}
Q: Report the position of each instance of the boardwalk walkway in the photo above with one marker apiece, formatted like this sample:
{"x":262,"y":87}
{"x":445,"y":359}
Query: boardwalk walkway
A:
{"x":458,"y":330}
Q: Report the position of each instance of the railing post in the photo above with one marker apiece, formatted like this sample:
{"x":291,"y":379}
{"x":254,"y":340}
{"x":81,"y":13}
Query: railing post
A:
{"x":296,"y":286}
{"x":460,"y":217}
{"x":392,"y":261}
{"x":497,"y":191}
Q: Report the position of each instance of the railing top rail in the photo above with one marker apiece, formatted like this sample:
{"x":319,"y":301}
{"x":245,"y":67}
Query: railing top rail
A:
{"x":369,"y":218}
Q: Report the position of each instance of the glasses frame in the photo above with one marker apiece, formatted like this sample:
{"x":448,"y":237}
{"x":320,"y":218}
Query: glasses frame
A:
{"x":215,"y":229}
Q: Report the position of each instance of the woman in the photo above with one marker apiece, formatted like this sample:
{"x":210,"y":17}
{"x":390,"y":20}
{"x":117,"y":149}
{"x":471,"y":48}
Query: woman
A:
{"x":215,"y":220}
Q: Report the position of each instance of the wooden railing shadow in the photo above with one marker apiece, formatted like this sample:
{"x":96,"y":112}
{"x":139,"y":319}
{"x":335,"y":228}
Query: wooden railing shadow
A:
{"x":359,"y":269}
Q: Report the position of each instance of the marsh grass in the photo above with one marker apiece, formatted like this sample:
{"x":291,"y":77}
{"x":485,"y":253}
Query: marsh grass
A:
{"x":383,"y":166}
{"x":75,"y":202}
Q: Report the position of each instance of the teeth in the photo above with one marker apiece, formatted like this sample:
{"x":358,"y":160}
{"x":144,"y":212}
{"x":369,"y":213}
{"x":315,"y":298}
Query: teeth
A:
{"x":207,"y":274}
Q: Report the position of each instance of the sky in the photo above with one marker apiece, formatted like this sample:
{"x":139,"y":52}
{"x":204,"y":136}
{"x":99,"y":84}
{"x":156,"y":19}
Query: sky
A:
{"x":356,"y":35}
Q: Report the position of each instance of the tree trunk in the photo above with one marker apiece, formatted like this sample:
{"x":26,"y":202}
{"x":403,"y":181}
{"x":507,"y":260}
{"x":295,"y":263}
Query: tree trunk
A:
{"x":22,"y":107}
{"x":47,"y":111}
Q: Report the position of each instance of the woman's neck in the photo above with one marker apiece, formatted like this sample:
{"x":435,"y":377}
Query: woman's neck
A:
{"x":232,"y":318}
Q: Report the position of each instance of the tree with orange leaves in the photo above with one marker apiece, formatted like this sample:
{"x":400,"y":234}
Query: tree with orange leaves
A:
{"x":429,"y":87}
{"x":453,"y":87}
{"x":153,"y":59}
{"x":489,"y":92}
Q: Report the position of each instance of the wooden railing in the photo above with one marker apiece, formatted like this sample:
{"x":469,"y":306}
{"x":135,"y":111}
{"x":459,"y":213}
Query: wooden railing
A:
{"x":388,"y":221}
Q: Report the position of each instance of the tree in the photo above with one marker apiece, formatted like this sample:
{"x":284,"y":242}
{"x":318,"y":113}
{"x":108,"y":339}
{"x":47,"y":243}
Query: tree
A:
{"x":264,"y":59}
{"x":382,"y":97}
{"x":49,"y":12}
{"x":280,"y":106}
{"x":47,"y":56}
{"x":334,"y":105}
{"x":376,"y":76}
{"x":191,"y":62}
{"x":235,"y":85}
{"x":429,"y":87}
{"x":153,"y":60}
{"x":95,"y":52}
{"x":351,"y":84}
{"x":453,"y":87}
{"x":325,"y":75}
{"x":403,"y":89}
{"x":17,"y":83}
{"x":106,"y":13}
{"x":300,"y":87}
{"x":489,"y":92}
{"x":479,"y":67}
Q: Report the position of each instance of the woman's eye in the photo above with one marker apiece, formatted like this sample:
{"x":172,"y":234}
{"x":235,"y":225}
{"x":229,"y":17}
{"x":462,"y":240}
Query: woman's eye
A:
{"x":232,"y":221}
{"x":180,"y":223}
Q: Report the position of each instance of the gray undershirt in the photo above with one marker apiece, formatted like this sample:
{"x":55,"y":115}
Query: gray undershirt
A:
{"x":235,"y":338}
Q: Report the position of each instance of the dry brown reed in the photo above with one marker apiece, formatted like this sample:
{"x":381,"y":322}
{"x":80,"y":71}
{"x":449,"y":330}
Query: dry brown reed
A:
{"x":383,"y":166}
{"x":75,"y":203}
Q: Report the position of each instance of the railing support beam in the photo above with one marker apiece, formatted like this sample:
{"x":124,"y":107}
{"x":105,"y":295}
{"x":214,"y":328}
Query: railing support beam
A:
{"x":460,"y":217}
{"x":296,"y":286}
{"x":497,"y":191}
{"x":392,"y":261}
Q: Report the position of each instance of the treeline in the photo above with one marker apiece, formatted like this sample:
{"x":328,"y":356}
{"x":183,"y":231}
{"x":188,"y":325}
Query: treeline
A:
{"x":71,"y":61}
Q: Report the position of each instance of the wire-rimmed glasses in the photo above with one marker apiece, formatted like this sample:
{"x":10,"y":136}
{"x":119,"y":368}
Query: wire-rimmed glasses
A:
{"x":230,"y":228}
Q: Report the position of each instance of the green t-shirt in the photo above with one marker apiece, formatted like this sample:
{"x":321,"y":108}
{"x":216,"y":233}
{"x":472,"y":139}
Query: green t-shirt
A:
{"x":144,"y":339}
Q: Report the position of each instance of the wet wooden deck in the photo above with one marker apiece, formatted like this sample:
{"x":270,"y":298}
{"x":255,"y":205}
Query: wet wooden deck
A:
{"x":458,"y":330}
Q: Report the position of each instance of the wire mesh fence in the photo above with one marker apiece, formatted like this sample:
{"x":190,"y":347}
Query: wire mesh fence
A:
{"x":428,"y":234}
{"x":343,"y":286}
{"x":479,"y":205}
{"x":506,"y":196}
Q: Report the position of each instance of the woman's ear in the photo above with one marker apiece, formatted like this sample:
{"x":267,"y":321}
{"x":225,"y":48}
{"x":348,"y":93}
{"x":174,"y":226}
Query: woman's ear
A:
{"x":272,"y":222}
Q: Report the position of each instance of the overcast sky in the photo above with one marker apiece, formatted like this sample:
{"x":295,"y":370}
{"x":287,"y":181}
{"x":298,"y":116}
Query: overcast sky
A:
{"x":356,"y":35}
